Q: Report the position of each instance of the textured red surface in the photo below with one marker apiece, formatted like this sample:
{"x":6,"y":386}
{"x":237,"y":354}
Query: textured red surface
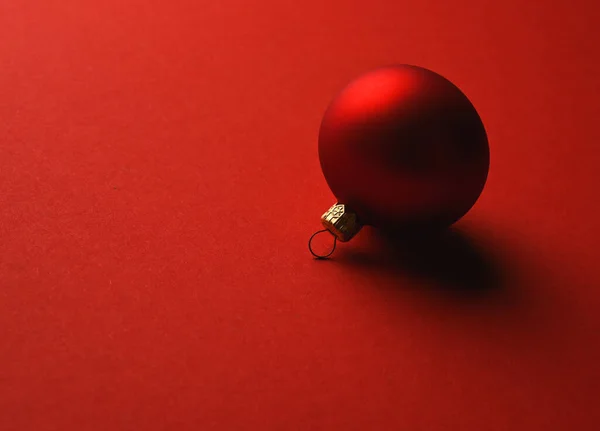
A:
{"x":159,"y":179}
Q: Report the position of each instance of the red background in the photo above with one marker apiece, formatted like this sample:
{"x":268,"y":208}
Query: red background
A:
{"x":159,"y":179}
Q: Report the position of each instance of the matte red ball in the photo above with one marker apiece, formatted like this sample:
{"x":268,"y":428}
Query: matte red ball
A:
{"x":404,"y":148}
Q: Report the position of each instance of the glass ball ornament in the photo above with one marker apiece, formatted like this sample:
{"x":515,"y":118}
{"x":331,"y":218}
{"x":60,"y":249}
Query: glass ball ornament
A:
{"x":403,"y":150}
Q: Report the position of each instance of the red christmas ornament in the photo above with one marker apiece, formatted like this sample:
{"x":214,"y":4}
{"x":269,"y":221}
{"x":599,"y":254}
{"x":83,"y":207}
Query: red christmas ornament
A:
{"x":402,"y":149}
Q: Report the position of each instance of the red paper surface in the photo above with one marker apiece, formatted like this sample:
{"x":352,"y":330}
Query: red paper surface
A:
{"x":159,"y":179}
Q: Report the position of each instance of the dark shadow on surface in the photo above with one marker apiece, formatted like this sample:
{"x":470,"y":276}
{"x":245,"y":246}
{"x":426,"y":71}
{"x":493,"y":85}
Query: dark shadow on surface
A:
{"x":452,"y":260}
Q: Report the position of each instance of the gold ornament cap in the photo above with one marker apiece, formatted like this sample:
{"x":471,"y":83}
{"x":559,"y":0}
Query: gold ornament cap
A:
{"x":341,"y":222}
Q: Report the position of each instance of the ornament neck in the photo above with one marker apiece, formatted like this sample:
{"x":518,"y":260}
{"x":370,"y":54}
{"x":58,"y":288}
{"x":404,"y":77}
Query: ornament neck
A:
{"x":339,"y":221}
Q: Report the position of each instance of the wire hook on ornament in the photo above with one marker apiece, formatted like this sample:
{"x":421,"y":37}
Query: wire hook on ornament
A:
{"x":322,"y":256}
